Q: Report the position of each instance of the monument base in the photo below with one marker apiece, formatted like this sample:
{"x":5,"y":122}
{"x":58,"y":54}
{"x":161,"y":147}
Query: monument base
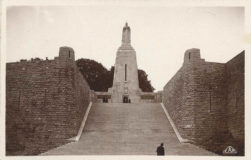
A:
{"x":123,"y":97}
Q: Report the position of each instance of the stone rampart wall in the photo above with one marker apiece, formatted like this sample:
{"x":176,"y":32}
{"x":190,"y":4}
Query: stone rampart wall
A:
{"x":206,"y":99}
{"x":174,"y":98}
{"x":209,"y":100}
{"x":45,"y":103}
{"x":235,"y":97}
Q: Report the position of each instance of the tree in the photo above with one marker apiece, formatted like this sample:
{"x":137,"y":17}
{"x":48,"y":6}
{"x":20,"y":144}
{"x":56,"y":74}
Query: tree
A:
{"x":144,"y":83}
{"x":95,"y":74}
{"x":100,"y":79}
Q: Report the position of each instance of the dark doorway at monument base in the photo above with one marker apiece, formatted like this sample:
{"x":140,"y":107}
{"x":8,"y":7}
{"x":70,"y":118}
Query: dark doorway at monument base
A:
{"x":105,"y":100}
{"x":125,"y":99}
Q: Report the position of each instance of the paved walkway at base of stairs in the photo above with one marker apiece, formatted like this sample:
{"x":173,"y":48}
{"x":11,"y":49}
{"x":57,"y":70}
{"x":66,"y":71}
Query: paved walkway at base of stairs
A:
{"x":127,"y":129}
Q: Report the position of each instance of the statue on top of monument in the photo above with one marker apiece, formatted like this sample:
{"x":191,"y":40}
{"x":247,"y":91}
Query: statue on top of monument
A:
{"x":126,"y":35}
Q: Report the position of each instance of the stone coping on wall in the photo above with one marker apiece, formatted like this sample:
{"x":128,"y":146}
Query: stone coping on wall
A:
{"x":182,"y":140}
{"x":80,"y":131}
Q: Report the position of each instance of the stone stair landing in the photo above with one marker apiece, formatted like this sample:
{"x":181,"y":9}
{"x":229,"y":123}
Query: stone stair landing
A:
{"x":127,"y":129}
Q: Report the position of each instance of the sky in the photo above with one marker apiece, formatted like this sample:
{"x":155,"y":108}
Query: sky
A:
{"x":159,"y":35}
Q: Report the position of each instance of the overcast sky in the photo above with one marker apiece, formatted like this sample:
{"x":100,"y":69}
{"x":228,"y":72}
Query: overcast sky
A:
{"x":160,"y":35}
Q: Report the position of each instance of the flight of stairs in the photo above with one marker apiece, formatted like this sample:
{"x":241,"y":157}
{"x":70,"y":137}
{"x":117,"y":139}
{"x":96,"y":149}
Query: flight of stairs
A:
{"x":127,"y":129}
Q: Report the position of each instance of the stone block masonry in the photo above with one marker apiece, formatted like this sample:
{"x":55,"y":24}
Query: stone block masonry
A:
{"x":235,"y":97}
{"x":206,"y":100}
{"x":45,"y":103}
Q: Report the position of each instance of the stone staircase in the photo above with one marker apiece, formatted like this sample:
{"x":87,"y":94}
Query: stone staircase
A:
{"x":127,"y":129}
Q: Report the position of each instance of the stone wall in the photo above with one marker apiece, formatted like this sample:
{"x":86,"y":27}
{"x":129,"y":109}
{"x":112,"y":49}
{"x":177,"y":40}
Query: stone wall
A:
{"x":209,"y":100}
{"x":205,"y":98}
{"x":45,"y":103}
{"x":235,"y":97}
{"x":178,"y":101}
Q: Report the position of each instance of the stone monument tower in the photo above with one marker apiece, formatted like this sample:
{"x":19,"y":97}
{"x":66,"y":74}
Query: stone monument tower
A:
{"x":125,"y":81}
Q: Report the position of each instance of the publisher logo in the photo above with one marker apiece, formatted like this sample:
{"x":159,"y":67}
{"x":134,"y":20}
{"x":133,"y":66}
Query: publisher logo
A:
{"x":230,"y":150}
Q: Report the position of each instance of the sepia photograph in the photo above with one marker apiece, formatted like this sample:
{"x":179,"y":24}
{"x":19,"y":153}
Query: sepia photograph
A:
{"x":137,"y":80}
